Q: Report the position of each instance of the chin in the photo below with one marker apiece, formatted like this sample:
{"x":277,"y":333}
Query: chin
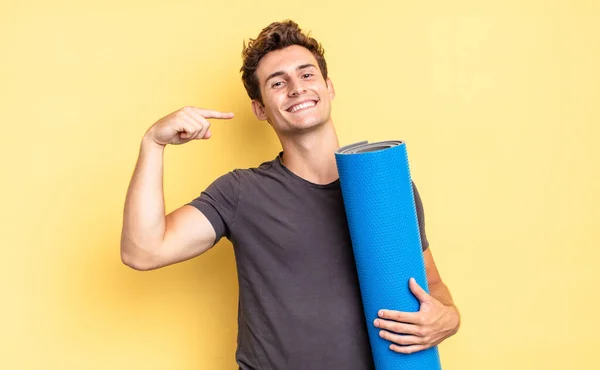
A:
{"x":312,"y":120}
{"x":306,"y":125}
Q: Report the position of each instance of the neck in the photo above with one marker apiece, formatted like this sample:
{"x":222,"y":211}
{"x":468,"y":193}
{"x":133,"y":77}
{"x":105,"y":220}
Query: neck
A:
{"x":311,"y":155}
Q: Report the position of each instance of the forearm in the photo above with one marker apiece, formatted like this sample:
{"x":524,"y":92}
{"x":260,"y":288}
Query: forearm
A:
{"x":144,"y":211}
{"x":439,"y":291}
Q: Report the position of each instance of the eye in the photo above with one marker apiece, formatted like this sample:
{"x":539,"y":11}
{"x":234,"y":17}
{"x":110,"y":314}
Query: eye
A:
{"x":277,"y":84}
{"x":307,"y":75}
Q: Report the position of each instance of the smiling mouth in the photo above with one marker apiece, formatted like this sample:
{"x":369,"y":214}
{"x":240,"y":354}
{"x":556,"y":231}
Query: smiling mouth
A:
{"x":302,"y":106}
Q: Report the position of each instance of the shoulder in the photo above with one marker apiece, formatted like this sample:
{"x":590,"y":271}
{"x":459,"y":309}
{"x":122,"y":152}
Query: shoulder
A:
{"x":241,"y":174}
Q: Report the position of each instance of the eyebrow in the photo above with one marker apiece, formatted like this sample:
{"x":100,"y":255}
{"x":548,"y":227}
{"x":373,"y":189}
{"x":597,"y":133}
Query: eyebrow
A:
{"x":280,"y":73}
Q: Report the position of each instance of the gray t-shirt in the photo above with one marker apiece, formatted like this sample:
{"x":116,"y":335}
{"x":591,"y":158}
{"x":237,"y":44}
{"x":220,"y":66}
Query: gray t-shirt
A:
{"x":299,"y":299}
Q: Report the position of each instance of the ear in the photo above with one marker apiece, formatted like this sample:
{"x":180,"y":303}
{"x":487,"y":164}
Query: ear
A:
{"x":259,"y":110}
{"x":330,"y":89}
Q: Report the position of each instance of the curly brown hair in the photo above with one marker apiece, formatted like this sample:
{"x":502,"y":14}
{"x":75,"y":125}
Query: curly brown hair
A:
{"x":276,"y":36}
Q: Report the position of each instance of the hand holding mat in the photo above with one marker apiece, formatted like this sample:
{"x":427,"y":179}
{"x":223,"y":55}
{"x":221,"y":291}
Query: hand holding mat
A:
{"x":380,"y":208}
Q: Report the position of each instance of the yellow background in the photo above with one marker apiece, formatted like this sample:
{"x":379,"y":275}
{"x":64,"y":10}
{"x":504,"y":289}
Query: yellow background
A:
{"x":498,"y":102}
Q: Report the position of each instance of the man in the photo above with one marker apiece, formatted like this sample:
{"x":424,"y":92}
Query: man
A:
{"x":299,"y":303}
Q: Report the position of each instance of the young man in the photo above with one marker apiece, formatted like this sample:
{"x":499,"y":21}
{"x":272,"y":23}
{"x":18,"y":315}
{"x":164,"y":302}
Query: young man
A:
{"x":299,"y":302}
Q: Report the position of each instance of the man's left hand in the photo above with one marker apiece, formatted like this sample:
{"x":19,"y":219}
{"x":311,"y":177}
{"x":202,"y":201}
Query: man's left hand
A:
{"x":416,"y":331}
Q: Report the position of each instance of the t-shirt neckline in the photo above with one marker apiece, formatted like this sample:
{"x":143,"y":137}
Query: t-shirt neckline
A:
{"x":332,"y":185}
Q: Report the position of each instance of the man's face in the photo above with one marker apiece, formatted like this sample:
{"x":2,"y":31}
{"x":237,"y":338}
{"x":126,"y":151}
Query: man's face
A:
{"x":295,"y":95}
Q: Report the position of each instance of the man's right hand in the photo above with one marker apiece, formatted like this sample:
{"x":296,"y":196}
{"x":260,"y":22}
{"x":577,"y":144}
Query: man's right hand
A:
{"x":150,"y":239}
{"x":184,"y":125}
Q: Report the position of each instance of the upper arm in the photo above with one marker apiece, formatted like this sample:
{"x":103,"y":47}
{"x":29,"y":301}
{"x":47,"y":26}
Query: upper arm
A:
{"x":196,"y":226}
{"x":188,"y":233}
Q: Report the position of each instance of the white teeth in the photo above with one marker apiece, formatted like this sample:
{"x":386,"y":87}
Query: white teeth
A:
{"x":307,"y":104}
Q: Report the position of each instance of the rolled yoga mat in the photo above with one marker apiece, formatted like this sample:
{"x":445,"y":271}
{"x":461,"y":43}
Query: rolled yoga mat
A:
{"x":380,"y":208}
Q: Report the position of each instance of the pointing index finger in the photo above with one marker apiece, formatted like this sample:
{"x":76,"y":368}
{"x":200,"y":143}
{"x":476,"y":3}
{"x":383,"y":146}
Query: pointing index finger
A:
{"x":208,"y":113}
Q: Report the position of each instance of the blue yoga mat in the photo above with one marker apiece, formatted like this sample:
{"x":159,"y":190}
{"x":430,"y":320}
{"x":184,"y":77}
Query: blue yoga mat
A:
{"x":378,"y":197}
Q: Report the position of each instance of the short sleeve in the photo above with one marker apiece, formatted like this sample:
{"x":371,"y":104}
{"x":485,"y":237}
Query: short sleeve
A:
{"x":219,"y":203}
{"x":420,"y":217}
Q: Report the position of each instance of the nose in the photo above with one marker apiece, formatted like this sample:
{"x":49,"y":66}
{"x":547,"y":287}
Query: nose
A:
{"x":296,"y":88}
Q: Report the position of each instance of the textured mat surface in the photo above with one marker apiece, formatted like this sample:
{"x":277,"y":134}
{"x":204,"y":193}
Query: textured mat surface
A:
{"x":379,"y":201}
